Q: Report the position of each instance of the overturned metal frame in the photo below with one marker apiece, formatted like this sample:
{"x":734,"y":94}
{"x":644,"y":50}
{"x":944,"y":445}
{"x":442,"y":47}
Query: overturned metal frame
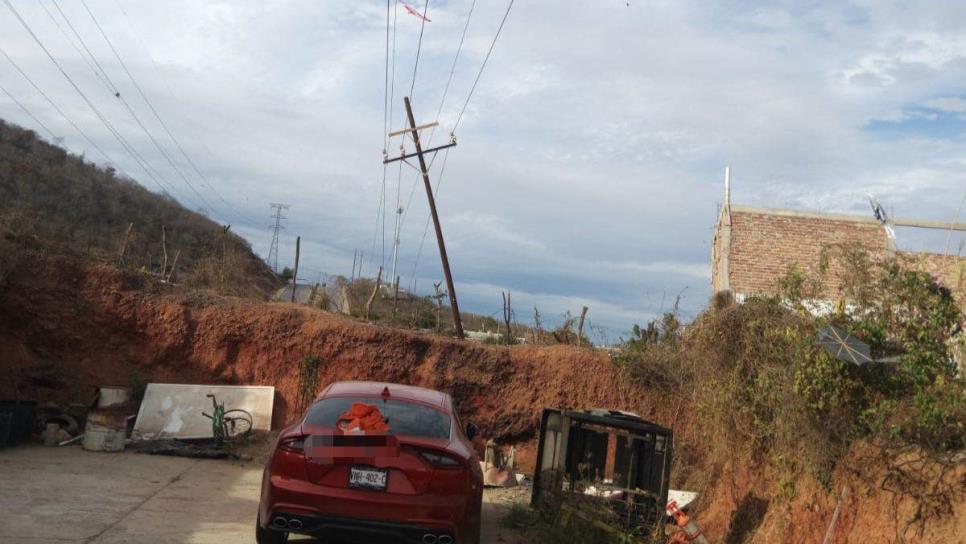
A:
{"x":622,"y":457}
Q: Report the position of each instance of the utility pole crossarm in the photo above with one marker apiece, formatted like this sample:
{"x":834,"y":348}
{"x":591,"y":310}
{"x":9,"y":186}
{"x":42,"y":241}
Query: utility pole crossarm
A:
{"x":411,"y":129}
{"x":425,"y":151}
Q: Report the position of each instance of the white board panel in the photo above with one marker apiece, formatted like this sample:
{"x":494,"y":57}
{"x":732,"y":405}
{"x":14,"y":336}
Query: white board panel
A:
{"x":175,"y":410}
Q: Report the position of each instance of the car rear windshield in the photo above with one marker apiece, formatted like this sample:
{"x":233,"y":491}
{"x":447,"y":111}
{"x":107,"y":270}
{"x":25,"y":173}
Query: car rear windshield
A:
{"x":403,"y":418}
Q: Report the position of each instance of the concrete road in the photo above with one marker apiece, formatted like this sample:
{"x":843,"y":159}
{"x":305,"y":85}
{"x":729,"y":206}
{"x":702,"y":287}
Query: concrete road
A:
{"x":61,"y":495}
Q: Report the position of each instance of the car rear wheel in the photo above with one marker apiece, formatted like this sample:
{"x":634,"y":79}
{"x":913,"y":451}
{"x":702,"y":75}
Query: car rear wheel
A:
{"x":267,"y":536}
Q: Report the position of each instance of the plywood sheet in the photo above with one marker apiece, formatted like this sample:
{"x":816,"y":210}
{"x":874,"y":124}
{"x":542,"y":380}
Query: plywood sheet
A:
{"x":175,"y":410}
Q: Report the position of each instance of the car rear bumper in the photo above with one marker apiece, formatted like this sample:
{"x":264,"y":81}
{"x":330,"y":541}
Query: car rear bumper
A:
{"x":322,"y":509}
{"x":360,"y":530}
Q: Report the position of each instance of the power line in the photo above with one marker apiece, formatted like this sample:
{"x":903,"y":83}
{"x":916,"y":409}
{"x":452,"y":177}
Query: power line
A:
{"x":127,"y":147}
{"x":442,"y":102}
{"x":128,"y":107}
{"x":70,"y":40}
{"x":155,"y":112}
{"x":28,"y":112}
{"x":57,"y":108}
{"x":485,"y":59}
{"x":106,"y":77}
{"x":419,"y":48}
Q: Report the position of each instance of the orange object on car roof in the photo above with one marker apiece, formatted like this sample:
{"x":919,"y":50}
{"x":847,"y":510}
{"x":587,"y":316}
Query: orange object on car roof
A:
{"x":364,"y":418}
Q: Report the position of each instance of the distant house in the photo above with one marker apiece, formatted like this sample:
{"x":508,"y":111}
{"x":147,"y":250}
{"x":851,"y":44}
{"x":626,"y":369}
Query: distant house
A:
{"x":754,"y":248}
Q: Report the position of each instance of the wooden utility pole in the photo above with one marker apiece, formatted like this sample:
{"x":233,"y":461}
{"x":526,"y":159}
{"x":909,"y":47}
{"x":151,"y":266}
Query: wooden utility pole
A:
{"x":352,"y":275}
{"x":580,"y":327}
{"x":295,"y":273}
{"x":507,"y":315}
{"x":413,"y":131}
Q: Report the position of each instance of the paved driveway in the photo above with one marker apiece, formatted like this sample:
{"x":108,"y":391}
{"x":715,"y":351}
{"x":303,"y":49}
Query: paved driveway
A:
{"x":60,"y":495}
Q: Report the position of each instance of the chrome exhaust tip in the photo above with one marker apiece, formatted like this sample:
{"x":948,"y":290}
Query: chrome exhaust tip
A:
{"x":429,"y":538}
{"x":280,"y":522}
{"x":295,"y":524}
{"x":444,"y":539}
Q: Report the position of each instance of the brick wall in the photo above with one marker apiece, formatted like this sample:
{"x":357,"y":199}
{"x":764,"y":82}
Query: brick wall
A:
{"x":950,"y":270}
{"x":765,"y":243}
{"x":753,"y":248}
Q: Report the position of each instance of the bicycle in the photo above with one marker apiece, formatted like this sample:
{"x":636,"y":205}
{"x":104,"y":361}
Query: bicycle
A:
{"x":227,"y":425}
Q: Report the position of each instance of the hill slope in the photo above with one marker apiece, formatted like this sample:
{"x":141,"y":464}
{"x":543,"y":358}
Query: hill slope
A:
{"x":56,"y":202}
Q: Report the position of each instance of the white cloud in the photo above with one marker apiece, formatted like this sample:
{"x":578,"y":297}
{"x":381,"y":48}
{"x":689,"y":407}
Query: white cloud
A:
{"x":590,"y":156}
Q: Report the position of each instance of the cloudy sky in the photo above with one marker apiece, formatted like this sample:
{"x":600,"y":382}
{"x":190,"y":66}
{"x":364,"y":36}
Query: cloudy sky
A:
{"x":591,"y":155}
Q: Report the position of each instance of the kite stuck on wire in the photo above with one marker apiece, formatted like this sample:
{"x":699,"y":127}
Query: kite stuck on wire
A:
{"x":414,"y":11}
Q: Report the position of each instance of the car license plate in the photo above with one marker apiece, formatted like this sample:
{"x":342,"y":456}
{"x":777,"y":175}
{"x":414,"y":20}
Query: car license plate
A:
{"x":368,"y":478}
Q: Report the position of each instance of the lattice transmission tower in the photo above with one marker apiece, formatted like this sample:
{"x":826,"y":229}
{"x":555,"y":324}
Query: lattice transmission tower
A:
{"x":277,"y":210}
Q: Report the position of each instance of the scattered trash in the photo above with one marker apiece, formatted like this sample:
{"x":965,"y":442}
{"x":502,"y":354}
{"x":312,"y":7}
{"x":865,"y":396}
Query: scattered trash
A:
{"x":195,"y":449}
{"x":610,"y":456}
{"x":498,"y":468}
{"x":105,"y":431}
{"x":177,"y":410}
{"x":682,"y":498}
{"x":106,"y":426}
{"x":74,"y":440}
{"x":689,"y":531}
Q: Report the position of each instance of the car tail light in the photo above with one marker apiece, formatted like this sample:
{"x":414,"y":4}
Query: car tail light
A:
{"x":440,"y":460}
{"x":294,"y":444}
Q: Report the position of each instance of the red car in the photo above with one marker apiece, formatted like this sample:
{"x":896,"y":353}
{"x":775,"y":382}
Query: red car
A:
{"x":418,"y":482}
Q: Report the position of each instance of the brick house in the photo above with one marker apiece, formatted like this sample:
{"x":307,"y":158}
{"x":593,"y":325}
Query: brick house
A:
{"x":754,"y":247}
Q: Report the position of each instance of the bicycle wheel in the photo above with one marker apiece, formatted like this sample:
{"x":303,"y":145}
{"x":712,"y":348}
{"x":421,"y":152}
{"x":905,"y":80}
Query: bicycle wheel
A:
{"x":237,"y":423}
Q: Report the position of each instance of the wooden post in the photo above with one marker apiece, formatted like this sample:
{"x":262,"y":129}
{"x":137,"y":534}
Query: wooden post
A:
{"x":164,"y":250}
{"x":580,"y":327}
{"x":439,"y":302}
{"x":375,"y":291}
{"x":127,"y":236}
{"x":295,"y":273}
{"x":506,"y":315}
{"x":173,"y":266}
{"x":352,"y":275}
{"x":414,"y":131}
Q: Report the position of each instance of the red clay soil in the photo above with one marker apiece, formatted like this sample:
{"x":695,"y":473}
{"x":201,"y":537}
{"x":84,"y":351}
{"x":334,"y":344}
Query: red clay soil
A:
{"x":73,"y":327}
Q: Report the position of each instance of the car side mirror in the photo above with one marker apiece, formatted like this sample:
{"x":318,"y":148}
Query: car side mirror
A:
{"x":472,"y":430}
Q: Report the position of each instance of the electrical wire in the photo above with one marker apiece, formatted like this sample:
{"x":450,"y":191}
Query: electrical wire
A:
{"x":130,"y":110}
{"x":154,"y":111}
{"x":442,"y":102}
{"x":73,"y":44}
{"x":107,"y":124}
{"x":28,"y":112}
{"x":54,"y":105}
{"x":483,"y":66}
{"x":439,"y":178}
{"x":419,"y":48}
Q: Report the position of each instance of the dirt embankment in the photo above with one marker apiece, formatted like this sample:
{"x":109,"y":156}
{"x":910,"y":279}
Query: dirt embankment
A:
{"x":70,"y":328}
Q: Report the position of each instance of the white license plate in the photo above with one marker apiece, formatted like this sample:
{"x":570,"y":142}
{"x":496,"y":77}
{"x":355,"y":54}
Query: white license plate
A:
{"x":368,"y":478}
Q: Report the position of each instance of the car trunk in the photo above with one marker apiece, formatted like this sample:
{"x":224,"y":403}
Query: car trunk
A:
{"x":379,"y":463}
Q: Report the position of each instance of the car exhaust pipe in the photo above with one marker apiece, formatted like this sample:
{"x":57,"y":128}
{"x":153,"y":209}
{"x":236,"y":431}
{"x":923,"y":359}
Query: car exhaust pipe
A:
{"x":295,"y":524}
{"x":280,"y":522}
{"x":444,"y":539}
{"x":429,"y":538}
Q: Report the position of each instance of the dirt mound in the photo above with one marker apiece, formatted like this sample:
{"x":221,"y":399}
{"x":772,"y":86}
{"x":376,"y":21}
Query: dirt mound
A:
{"x":75,"y":327}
